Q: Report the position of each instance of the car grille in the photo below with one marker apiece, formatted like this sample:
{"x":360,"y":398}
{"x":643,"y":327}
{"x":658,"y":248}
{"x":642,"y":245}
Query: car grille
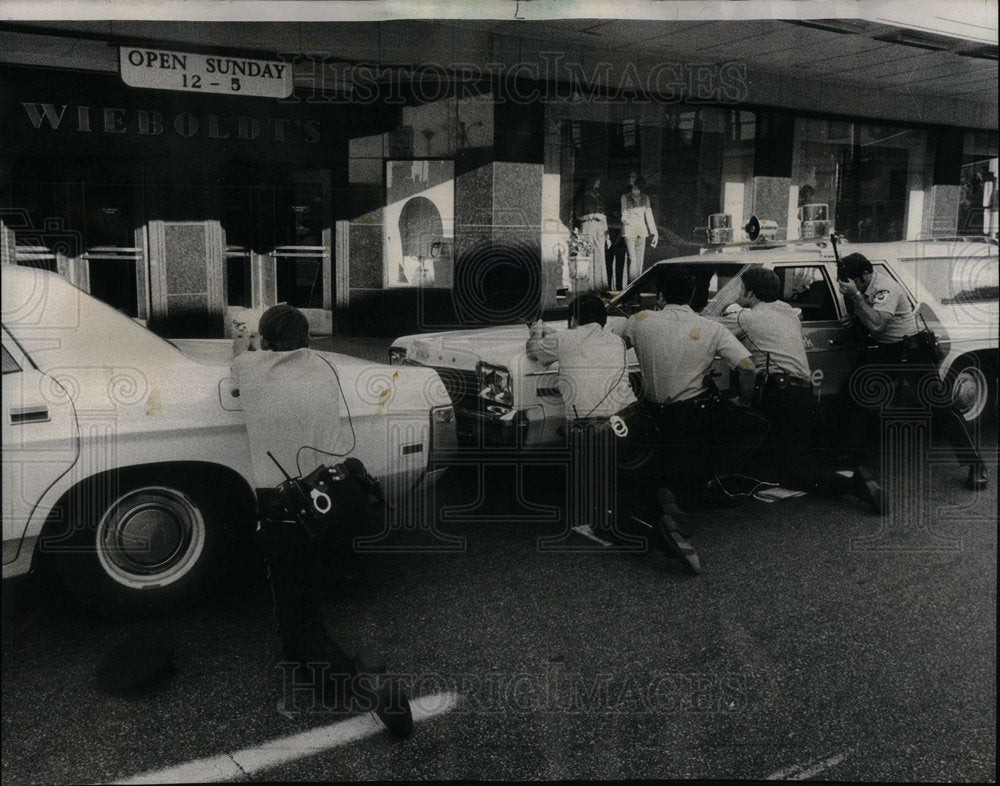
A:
{"x":461,"y":384}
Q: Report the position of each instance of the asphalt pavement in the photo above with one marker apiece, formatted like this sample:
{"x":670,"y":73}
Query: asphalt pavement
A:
{"x":821,"y":641}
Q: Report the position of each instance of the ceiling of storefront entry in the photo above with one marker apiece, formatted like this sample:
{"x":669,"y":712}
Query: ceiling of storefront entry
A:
{"x":934,"y":65}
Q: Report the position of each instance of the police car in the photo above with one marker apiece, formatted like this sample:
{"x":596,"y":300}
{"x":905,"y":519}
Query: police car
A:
{"x":504,"y":398}
{"x":126,"y":463}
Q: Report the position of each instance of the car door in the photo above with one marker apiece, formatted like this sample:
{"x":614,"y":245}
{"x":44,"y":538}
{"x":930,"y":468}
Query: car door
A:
{"x":40,"y":440}
{"x":832,"y":354}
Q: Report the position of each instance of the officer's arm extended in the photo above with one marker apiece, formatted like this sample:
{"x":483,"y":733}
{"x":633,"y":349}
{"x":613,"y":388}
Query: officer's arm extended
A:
{"x":542,"y":344}
{"x":736,"y":355}
{"x":874,"y":321}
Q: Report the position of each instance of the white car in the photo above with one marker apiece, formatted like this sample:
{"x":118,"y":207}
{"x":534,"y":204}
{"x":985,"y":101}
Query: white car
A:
{"x":503,"y":398}
{"x":126,"y":459}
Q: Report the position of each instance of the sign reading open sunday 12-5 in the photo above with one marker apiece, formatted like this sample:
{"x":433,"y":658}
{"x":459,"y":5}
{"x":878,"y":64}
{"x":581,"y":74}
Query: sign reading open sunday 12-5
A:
{"x":199,"y":73}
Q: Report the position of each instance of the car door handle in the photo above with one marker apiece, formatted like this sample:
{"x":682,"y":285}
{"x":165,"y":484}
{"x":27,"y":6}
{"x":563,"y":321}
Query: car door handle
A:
{"x":38,"y":413}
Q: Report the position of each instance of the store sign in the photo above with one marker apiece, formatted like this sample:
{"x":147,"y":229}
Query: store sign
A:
{"x":199,"y":73}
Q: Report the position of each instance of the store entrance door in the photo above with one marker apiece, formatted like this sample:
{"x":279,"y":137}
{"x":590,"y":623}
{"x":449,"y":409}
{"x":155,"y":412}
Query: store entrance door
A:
{"x":278,"y":237}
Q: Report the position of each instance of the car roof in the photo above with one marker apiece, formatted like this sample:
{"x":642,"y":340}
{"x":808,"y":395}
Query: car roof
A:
{"x":822,"y":251}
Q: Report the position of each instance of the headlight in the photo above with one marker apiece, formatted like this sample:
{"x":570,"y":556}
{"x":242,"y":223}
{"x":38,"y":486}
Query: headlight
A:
{"x":494,"y":384}
{"x":397,"y":356}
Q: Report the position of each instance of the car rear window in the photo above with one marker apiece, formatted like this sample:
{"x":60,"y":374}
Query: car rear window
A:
{"x":960,"y":280}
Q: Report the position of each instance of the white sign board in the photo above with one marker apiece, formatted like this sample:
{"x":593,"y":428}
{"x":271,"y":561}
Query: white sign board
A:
{"x":200,"y":73}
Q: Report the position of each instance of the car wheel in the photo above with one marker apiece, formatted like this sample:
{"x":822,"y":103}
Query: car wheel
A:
{"x":152,"y":550}
{"x":972,"y":390}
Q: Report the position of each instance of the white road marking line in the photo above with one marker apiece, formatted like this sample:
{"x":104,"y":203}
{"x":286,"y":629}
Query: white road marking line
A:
{"x":587,"y":532}
{"x":230,"y":766}
{"x":801,"y":772}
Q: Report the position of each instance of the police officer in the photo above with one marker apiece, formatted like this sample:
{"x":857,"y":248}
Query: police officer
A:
{"x":290,"y":401}
{"x":676,"y":348}
{"x":773,"y":333}
{"x":594,"y":383}
{"x":903,"y":351}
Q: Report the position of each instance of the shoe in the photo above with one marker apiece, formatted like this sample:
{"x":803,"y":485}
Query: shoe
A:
{"x":374,"y":692}
{"x":674,"y":545}
{"x":867,"y":489}
{"x":669,"y":506}
{"x":393,"y":708}
{"x":977,"y":479}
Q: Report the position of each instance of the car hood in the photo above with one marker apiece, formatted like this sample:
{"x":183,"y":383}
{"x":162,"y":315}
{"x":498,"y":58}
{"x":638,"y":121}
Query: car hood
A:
{"x":408,"y":388}
{"x":463,"y":349}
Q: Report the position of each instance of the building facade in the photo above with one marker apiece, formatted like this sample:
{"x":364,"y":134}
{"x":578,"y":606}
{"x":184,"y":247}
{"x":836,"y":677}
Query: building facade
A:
{"x":422,"y":190}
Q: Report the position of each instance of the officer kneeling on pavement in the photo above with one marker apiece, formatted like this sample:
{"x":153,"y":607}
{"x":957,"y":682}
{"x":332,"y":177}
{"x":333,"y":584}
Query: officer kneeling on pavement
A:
{"x":598,"y":401}
{"x":292,"y":403}
{"x":904,"y":353}
{"x":772,"y":331}
{"x":702,"y":438}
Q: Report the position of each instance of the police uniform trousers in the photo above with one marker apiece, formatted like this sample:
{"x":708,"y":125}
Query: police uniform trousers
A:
{"x":301,"y":570}
{"x":789,"y":449}
{"x":907,"y":363}
{"x":702,"y":439}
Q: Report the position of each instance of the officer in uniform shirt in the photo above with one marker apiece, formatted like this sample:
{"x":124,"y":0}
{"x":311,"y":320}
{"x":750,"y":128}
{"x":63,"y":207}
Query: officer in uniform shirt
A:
{"x":594,"y":383}
{"x":676,"y":348}
{"x":904,"y":351}
{"x":773,"y":333}
{"x":593,"y":369}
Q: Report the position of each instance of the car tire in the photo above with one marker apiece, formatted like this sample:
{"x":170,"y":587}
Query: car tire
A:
{"x":973,"y":387}
{"x":153,"y":548}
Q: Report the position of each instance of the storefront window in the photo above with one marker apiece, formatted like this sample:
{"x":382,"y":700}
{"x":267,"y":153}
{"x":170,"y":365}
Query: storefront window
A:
{"x":862,"y":174}
{"x":419,"y":223}
{"x":977,"y":209}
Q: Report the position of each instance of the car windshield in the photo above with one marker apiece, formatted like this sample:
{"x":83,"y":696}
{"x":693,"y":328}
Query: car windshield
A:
{"x":52,"y":320}
{"x":713,"y":282}
{"x":953,"y":281}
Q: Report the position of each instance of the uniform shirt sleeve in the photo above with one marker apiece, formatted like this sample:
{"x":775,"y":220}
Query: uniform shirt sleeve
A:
{"x":627,"y":331}
{"x":544,"y":349}
{"x":886,"y":300}
{"x":737,"y":323}
{"x":732,"y":351}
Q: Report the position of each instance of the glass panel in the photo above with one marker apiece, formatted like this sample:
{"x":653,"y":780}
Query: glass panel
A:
{"x":238,"y":291}
{"x":300,"y":281}
{"x":10,"y":365}
{"x":419,"y":223}
{"x":860,"y":172}
{"x":807,"y":289}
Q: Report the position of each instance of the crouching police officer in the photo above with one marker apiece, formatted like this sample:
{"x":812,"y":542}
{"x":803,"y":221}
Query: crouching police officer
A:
{"x":773,"y":332}
{"x":676,"y":348}
{"x":903,"y":351}
{"x":594,"y":383}
{"x":291,"y":401}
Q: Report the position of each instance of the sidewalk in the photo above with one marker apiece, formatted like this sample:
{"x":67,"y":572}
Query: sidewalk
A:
{"x":374,"y":349}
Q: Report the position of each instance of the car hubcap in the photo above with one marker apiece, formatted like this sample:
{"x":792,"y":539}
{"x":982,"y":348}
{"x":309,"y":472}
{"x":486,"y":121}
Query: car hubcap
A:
{"x":150,"y":537}
{"x":969,"y":392}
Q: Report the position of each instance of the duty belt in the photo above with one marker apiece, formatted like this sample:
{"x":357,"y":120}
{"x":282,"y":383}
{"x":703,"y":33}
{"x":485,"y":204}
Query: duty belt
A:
{"x":782,"y":381}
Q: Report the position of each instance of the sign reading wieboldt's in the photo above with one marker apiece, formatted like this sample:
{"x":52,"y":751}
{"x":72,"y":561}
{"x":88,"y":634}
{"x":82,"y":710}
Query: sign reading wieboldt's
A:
{"x":199,"y":73}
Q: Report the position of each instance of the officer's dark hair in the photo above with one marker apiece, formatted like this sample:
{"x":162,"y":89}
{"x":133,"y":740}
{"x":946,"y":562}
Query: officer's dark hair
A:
{"x":588,"y":309}
{"x":855,"y":264}
{"x":763,"y":283}
{"x":284,"y":328}
{"x":676,"y":285}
